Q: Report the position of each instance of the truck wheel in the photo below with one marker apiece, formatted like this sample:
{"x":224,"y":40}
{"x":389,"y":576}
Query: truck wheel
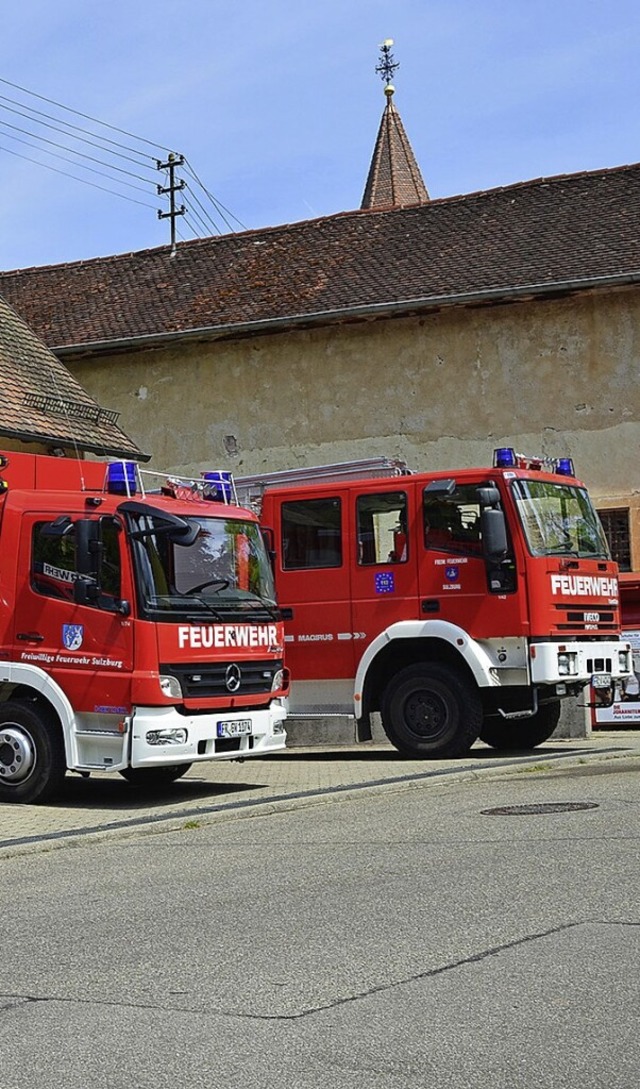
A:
{"x":523,"y":733}
{"x":431,"y":712}
{"x":154,"y":776}
{"x":32,"y":759}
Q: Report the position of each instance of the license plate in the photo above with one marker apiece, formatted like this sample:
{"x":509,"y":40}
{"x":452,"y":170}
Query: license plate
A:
{"x":601,"y":680}
{"x":235,"y":728}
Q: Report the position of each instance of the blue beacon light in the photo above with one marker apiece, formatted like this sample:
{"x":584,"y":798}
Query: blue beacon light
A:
{"x":220,"y":486}
{"x":504,"y":458}
{"x":122,"y":478}
{"x":564,"y":467}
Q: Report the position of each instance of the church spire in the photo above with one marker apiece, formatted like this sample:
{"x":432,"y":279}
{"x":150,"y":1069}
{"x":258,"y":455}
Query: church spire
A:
{"x":394,"y":179}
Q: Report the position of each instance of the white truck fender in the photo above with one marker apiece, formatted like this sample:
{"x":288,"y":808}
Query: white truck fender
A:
{"x":32,"y":676}
{"x":469,"y":650}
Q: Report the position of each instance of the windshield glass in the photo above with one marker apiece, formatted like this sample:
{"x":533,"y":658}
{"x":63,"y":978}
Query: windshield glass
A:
{"x":559,"y":519}
{"x":224,"y":572}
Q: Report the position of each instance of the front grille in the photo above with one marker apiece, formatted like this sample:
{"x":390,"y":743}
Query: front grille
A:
{"x":210,"y":679}
{"x":587,"y":620}
{"x":599,"y":665}
{"x":582,"y":616}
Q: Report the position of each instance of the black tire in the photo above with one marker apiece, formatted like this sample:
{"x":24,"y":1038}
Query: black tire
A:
{"x":32,"y":758}
{"x":151,"y":777}
{"x":521,"y":733}
{"x":431,"y":712}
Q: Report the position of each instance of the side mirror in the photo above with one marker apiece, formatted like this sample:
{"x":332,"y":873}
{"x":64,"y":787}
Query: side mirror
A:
{"x":268,"y":536}
{"x":488,"y":496}
{"x":494,"y":533}
{"x":88,"y":547}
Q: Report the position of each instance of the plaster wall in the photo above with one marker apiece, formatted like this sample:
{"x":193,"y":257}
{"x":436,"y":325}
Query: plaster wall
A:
{"x":551,"y":377}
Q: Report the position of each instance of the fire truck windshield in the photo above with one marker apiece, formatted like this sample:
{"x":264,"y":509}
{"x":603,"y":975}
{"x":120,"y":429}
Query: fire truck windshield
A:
{"x":559,"y":519}
{"x":224,"y":571}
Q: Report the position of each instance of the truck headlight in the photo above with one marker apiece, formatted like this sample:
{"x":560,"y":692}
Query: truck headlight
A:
{"x":176,"y":736}
{"x":170,"y":686}
{"x":280,"y":679}
{"x":567,"y":664}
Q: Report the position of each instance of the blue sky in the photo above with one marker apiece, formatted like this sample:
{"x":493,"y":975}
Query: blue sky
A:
{"x":276,"y":105}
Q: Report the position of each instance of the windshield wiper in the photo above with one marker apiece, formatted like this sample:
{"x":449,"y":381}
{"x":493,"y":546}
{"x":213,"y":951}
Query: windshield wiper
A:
{"x":259,"y":603}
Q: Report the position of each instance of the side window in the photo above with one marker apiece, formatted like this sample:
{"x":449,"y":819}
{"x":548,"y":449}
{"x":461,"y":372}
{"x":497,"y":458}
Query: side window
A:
{"x":382,"y":528}
{"x":53,"y":563}
{"x":452,"y":522}
{"x":311,"y":534}
{"x":54,"y":568}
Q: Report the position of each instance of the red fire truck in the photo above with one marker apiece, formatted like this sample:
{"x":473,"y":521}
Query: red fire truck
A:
{"x":458,"y":604}
{"x":138,"y":626}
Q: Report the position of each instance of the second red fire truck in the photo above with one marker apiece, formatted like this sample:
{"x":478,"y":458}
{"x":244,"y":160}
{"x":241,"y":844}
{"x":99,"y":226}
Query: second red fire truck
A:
{"x":458,"y":604}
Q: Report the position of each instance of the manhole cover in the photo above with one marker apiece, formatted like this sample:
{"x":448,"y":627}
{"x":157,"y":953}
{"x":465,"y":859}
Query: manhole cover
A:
{"x":539,"y":807}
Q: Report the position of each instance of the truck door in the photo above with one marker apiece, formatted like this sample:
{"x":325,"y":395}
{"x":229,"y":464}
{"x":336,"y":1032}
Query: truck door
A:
{"x":87,"y":649}
{"x":455,"y":581}
{"x":312,"y":582}
{"x":384,"y":569}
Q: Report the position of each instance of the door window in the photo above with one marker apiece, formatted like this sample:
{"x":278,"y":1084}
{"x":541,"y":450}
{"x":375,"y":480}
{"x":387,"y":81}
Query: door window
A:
{"x":53,"y":562}
{"x":311,"y":534}
{"x":382,"y":528}
{"x":452,"y":522}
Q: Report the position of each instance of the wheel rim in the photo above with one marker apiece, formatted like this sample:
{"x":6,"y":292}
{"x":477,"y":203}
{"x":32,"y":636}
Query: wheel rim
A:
{"x":427,"y":715}
{"x":17,"y":755}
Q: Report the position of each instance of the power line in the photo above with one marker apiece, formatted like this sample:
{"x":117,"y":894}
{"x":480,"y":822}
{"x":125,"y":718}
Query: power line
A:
{"x":65,"y":159}
{"x":76,"y":128}
{"x":211,"y":224}
{"x":85,"y":181}
{"x":78,"y":113}
{"x":199,"y":214}
{"x":80,"y":154}
{"x":220,"y":207}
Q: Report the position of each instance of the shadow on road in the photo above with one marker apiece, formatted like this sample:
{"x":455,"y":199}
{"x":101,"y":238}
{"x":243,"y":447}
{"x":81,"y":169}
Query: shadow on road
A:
{"x":115,"y":794}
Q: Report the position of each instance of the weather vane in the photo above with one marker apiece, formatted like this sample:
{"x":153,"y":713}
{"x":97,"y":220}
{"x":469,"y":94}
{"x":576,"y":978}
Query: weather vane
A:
{"x":387,"y":65}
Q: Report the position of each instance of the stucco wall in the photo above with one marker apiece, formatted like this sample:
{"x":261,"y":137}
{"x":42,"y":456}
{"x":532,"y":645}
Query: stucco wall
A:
{"x":552,"y":377}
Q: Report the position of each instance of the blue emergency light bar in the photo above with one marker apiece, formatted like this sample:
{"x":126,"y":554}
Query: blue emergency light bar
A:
{"x":505,"y":457}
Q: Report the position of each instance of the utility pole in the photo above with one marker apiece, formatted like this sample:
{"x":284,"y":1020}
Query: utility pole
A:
{"x":172,"y":188}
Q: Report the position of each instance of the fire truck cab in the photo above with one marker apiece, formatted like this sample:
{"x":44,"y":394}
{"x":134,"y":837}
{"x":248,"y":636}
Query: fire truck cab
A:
{"x":138,"y":626}
{"x":458,"y":604}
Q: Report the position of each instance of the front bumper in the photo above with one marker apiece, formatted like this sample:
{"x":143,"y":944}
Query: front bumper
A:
{"x":267,"y":735}
{"x":576,"y":662}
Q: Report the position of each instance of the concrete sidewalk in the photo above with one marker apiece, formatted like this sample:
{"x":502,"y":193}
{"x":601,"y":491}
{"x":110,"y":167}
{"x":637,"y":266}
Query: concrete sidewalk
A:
{"x":106,"y":805}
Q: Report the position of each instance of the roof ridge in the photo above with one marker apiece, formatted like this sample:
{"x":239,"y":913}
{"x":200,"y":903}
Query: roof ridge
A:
{"x":301,"y":225}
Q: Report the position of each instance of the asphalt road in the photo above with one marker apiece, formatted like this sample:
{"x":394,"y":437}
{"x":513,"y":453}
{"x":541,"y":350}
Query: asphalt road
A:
{"x":380,"y":939}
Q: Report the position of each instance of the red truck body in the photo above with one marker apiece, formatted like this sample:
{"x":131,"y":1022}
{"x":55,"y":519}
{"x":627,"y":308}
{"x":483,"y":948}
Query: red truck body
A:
{"x":458,"y":604}
{"x":138,"y":628}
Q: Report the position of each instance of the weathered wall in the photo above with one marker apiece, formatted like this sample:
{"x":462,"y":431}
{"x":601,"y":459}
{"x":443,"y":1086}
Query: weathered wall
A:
{"x":552,"y":377}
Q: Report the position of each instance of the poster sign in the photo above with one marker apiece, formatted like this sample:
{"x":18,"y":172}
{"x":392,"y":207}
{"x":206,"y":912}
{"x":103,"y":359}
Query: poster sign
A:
{"x":625,"y":712}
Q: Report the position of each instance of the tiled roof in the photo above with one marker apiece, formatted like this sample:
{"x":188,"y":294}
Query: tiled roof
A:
{"x":543,"y":235}
{"x":394,"y":179}
{"x":42,"y":402}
